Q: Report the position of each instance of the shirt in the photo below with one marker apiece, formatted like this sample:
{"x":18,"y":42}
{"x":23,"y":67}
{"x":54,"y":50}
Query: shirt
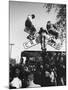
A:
{"x":16,"y":82}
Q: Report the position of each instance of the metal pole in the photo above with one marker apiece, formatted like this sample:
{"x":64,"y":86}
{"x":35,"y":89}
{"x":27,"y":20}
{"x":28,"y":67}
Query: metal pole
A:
{"x":11,"y":45}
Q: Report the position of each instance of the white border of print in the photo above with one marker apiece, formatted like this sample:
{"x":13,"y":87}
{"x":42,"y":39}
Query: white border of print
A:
{"x":4,"y":39}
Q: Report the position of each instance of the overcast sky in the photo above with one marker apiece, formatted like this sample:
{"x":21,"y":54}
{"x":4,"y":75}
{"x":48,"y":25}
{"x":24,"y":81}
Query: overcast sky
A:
{"x":18,"y":14}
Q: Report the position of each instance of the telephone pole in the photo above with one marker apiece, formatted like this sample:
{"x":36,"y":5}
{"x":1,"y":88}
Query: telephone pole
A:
{"x":10,"y":50}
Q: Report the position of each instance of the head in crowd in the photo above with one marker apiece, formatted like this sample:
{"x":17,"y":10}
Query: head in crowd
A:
{"x":12,"y":62}
{"x":47,"y":74}
{"x":61,"y":59}
{"x":17,"y":72}
{"x":31,"y":80}
{"x":30,"y":77}
{"x":31,"y":58}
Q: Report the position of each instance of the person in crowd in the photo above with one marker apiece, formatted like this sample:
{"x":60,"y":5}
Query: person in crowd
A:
{"x":16,"y":82}
{"x":47,"y":79}
{"x":62,"y":81}
{"x":12,"y":70}
{"x":30,"y":82}
{"x":53,"y":76}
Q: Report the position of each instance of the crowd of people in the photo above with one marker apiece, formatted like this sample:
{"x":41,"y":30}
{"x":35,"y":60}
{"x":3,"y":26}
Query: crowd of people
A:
{"x":42,"y":69}
{"x":39,"y":71}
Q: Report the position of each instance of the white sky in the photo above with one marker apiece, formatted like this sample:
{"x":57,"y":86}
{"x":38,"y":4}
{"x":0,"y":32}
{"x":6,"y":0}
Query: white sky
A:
{"x":18,"y":15}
